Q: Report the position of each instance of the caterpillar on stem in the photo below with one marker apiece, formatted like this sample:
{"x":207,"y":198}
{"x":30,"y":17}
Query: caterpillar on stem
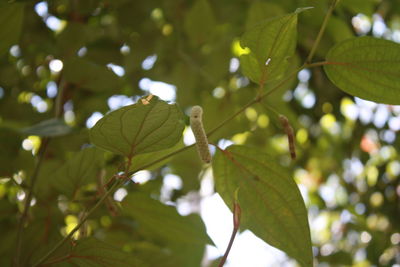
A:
{"x":199,"y":134}
{"x":290,"y":135}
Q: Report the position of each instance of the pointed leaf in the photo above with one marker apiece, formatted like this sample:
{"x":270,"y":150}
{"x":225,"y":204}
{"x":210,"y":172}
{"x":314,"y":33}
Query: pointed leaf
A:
{"x":271,"y":204}
{"x":49,"y":128}
{"x":80,"y":170}
{"x":271,"y":42}
{"x":139,"y":128}
{"x":366,"y":67}
{"x":164,"y":221}
{"x":11,"y":17}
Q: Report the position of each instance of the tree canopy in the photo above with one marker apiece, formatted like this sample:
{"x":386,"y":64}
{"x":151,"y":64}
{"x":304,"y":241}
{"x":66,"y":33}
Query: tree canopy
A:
{"x":300,"y":104}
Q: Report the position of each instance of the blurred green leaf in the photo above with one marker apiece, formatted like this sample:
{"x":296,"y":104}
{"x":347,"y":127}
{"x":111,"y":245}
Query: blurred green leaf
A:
{"x":80,"y":170}
{"x":339,"y":258}
{"x":164,"y":221}
{"x":73,"y":37}
{"x":271,"y":42}
{"x":10,"y":145}
{"x":11,"y":18}
{"x":200,"y":22}
{"x":88,"y":75}
{"x":140,"y":161}
{"x":359,"y":6}
{"x":48,"y":128}
{"x":260,"y":11}
{"x":93,"y":252}
{"x":366,"y":67}
{"x":139,"y":128}
{"x":271,"y":203}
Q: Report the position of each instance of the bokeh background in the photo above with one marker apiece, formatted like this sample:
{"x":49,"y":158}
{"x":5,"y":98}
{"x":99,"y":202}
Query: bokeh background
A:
{"x":108,"y":54}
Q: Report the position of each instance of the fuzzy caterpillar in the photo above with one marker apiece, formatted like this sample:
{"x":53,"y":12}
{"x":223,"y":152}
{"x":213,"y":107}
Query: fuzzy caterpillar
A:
{"x":199,"y":134}
{"x":290,"y":135}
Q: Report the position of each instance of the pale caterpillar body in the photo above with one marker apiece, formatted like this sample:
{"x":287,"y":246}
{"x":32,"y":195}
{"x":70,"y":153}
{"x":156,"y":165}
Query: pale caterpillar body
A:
{"x":199,"y":134}
{"x":290,"y":135}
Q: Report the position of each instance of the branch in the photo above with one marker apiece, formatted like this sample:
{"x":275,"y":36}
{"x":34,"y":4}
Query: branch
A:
{"x":115,"y":185}
{"x":321,"y":31}
{"x":236,"y":223}
{"x":58,"y":111}
{"x":84,"y":219}
{"x":24,"y":216}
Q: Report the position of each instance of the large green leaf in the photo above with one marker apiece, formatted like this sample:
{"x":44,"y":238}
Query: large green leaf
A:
{"x":88,"y":75}
{"x":80,"y":170}
{"x":93,"y":252}
{"x":163,"y":221}
{"x":271,"y":42}
{"x":11,"y":17}
{"x":139,"y":128}
{"x":366,"y":67}
{"x":271,"y":203}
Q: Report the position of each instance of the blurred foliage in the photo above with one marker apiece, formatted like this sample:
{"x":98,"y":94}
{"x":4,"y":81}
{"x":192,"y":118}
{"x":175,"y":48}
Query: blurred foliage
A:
{"x":55,"y":71}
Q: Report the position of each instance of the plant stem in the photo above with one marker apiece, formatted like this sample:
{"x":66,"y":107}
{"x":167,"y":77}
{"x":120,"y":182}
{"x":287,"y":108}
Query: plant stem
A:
{"x":28,"y":199}
{"x":211,"y":132}
{"x":76,"y":228}
{"x":58,"y":111}
{"x":89,"y":213}
{"x":236,"y":223}
{"x":228,"y":249}
{"x":321,"y":31}
{"x":316,"y":64}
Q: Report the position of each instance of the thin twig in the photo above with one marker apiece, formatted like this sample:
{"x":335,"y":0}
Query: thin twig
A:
{"x":321,"y":31}
{"x":84,"y":219}
{"x":236,"y":224}
{"x":76,"y":228}
{"x":28,"y":199}
{"x":115,"y":185}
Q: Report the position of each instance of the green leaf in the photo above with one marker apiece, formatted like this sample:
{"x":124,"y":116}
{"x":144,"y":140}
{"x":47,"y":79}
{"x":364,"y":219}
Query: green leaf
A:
{"x":80,"y":170}
{"x":366,"y":7}
{"x":11,"y":18}
{"x":271,"y":203}
{"x":140,"y":161}
{"x":93,"y":252}
{"x":366,"y":67}
{"x":10,"y":143}
{"x":89,"y":75}
{"x":139,"y":128}
{"x":74,"y":36}
{"x":48,"y":128}
{"x":200,"y":22}
{"x":163,"y":221}
{"x":271,"y":42}
{"x":260,"y":11}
